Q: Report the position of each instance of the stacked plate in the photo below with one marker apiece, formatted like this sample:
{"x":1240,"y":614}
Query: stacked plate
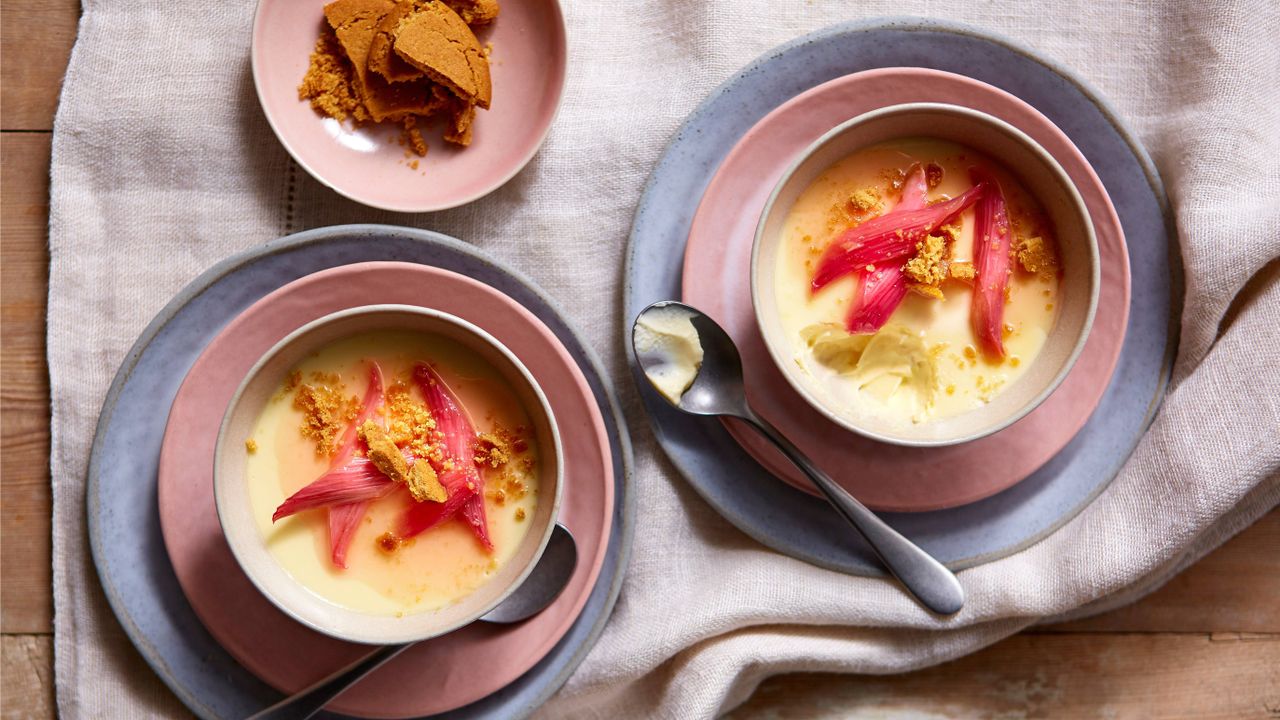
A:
{"x":965,"y":504}
{"x":169,"y":575}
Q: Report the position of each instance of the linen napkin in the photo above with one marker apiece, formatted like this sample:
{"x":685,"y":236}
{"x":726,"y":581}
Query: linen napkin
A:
{"x":163,"y":164}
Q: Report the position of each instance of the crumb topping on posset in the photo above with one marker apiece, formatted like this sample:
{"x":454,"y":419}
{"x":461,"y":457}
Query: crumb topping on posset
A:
{"x":326,"y":408}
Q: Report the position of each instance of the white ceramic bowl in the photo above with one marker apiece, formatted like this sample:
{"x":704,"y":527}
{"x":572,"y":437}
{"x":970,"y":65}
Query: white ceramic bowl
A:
{"x":231,"y":492}
{"x":1043,"y":177}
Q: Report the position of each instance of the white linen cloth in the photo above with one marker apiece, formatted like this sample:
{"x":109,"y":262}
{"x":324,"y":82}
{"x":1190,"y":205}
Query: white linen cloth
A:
{"x":163,"y":164}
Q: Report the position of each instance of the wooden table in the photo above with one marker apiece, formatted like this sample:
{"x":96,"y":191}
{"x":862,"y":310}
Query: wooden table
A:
{"x":1206,"y":645}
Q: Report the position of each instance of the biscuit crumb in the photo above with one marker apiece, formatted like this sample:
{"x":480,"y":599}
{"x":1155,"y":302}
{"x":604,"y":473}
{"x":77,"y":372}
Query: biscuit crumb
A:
{"x":424,"y":484}
{"x":326,"y":410}
{"x":409,"y":423}
{"x":413,"y":138}
{"x":388,"y":543}
{"x":383,"y":453}
{"x":929,"y":266}
{"x":251,"y":446}
{"x":865,"y":201}
{"x":1035,"y":255}
{"x":491,"y":450}
{"x":328,"y":83}
{"x":519,"y":514}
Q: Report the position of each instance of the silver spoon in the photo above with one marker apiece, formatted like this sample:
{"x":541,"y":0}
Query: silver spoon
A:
{"x":717,"y":389}
{"x":540,"y":589}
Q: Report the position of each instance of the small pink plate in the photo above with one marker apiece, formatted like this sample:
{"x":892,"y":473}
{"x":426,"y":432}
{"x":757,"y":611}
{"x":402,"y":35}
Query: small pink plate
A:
{"x":367,"y":164}
{"x":436,"y":675}
{"x":888,"y":477}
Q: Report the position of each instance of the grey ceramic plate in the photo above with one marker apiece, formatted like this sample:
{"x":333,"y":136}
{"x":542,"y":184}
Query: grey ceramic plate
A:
{"x":124,"y":525}
{"x":803,"y":526}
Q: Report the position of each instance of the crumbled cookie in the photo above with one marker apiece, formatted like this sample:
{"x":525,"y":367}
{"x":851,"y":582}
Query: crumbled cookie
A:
{"x":424,"y":485}
{"x":328,"y":83}
{"x":382,"y":57}
{"x":929,"y":266}
{"x":355,"y":22}
{"x":383,"y":453}
{"x":865,"y":201}
{"x":1035,"y":255}
{"x":440,"y":44}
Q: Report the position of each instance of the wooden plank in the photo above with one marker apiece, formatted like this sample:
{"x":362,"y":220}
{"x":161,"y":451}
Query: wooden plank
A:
{"x":1234,"y":589}
{"x":37,"y":39}
{"x":25,"y":595}
{"x":1053,"y":675}
{"x":27,"y":680}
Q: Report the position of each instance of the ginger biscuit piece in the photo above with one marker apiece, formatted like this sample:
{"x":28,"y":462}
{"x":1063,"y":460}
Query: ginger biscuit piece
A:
{"x":383,"y":453}
{"x":475,"y":12}
{"x":440,"y":44}
{"x":382,"y":58}
{"x":424,"y":484}
{"x":355,"y":22}
{"x":459,"y":130}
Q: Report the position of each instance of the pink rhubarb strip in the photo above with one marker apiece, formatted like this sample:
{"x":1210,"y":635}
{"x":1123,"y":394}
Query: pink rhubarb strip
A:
{"x":457,"y":471}
{"x":888,"y":237}
{"x":345,"y":518}
{"x":356,"y":481}
{"x":882,"y":290}
{"x":991,"y":240}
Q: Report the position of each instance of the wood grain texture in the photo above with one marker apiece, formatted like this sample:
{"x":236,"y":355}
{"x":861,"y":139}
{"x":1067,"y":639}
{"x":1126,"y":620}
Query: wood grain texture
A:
{"x":26,"y":686}
{"x":1116,"y":676}
{"x":37,"y":39}
{"x":26,"y":604}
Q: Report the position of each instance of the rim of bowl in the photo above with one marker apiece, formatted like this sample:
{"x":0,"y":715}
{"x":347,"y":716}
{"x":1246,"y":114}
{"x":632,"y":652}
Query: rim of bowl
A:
{"x":482,"y":335}
{"x":1077,"y":204}
{"x":561,"y":24}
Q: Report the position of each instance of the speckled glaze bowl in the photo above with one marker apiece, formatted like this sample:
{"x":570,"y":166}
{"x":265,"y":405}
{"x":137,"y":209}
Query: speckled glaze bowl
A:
{"x":231,"y":493}
{"x":1043,"y":177}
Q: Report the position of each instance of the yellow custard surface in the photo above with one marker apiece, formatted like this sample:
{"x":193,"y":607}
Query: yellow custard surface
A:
{"x":924,"y":364}
{"x":438,"y":566}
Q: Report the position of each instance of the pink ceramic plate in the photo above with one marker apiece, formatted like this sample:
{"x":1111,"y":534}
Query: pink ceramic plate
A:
{"x":888,"y":477}
{"x":437,"y":675}
{"x":367,"y":164}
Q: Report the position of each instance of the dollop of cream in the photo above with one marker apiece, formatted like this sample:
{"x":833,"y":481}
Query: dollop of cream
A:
{"x":893,"y":366}
{"x":673,"y":353}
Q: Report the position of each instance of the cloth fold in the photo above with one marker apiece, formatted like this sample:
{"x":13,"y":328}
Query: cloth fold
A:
{"x":163,"y":164}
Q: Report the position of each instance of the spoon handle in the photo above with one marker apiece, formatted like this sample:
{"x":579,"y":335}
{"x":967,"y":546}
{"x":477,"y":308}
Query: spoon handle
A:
{"x":924,"y":577}
{"x":309,"y":701}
